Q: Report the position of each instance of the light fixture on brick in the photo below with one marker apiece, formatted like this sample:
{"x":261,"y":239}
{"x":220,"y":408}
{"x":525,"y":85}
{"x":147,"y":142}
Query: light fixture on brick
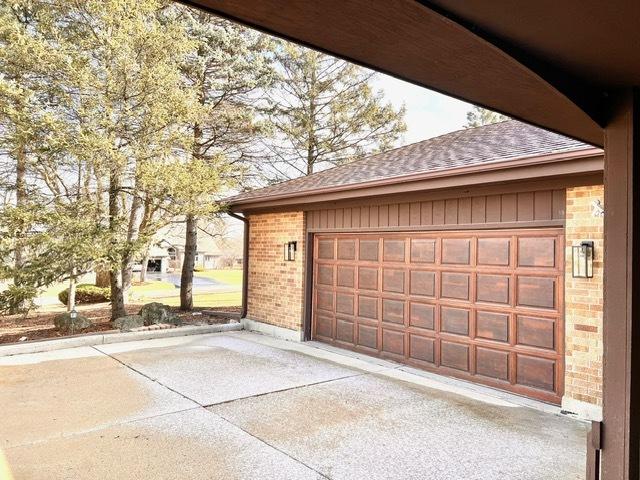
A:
{"x":582,"y":257}
{"x":290,"y":251}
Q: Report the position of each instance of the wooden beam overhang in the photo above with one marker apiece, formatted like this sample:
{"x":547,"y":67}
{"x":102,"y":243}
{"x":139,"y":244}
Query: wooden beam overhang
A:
{"x":416,"y":42}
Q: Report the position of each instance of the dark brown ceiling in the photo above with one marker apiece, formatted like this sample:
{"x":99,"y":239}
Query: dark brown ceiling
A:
{"x":552,"y":63}
{"x":597,"y":40}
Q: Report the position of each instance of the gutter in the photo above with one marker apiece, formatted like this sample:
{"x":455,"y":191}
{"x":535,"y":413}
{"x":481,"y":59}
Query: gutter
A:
{"x":245,"y":263}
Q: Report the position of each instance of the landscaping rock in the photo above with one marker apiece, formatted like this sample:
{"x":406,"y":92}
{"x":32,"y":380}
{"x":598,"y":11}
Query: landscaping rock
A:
{"x":64,"y":323}
{"x":128,"y":322}
{"x":155,"y":313}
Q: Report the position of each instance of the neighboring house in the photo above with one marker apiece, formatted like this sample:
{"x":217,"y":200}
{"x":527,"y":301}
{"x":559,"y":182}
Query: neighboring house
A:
{"x":453,"y":254}
{"x":167,"y":251}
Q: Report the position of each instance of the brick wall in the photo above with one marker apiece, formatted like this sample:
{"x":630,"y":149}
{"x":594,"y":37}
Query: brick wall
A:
{"x":276,"y":287}
{"x":583,"y":300}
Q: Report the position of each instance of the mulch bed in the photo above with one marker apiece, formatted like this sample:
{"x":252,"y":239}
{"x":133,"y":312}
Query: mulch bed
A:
{"x":39,"y":325}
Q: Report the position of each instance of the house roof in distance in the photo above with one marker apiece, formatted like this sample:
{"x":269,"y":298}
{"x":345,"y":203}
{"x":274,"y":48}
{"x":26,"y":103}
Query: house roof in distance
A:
{"x":506,"y":141}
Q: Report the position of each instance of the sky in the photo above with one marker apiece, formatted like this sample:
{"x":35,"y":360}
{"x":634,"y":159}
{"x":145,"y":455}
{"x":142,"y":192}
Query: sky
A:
{"x":428,"y":114}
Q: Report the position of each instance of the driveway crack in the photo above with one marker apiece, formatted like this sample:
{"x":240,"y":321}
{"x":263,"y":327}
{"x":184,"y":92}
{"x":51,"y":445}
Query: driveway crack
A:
{"x":148,"y":377}
{"x":287,"y":389}
{"x":271,"y":445}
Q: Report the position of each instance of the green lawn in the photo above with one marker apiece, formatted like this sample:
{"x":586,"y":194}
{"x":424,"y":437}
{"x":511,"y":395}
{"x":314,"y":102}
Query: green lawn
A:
{"x":165,"y":292}
{"x":222,"y":299}
{"x":233,"y":278}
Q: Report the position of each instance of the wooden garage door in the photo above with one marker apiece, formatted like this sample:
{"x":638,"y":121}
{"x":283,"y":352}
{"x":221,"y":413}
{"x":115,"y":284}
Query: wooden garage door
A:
{"x":486,"y":306}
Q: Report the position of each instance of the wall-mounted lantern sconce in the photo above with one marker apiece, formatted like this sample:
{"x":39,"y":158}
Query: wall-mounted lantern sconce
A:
{"x":582,"y":257}
{"x":290,"y":251}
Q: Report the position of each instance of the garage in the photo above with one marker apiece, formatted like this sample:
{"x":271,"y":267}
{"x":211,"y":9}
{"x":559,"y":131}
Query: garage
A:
{"x":480,"y":305}
{"x":454,"y":255}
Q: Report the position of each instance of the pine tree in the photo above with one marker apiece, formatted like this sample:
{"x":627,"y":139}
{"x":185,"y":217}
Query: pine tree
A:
{"x":325,"y":112}
{"x":30,"y":129}
{"x":228,"y":68}
{"x":479,"y":116}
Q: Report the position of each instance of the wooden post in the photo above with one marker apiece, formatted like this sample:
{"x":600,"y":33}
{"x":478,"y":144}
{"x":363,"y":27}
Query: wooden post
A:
{"x":621,"y":369}
{"x":594,"y":447}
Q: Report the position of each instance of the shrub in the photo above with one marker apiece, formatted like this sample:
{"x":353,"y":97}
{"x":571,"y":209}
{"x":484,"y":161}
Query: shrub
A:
{"x":17,"y":299}
{"x":86,"y":293}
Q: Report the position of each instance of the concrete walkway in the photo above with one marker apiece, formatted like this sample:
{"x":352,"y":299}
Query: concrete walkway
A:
{"x":239,"y":405}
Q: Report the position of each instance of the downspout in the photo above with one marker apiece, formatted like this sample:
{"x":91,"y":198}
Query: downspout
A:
{"x":245,"y":263}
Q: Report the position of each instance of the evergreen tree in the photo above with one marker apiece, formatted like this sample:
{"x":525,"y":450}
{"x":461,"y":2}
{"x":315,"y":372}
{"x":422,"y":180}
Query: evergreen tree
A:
{"x":479,"y":116}
{"x":325,"y":112}
{"x":228,"y":68}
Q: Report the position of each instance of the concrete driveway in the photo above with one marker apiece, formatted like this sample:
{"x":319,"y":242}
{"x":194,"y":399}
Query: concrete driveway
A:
{"x":244,"y":406}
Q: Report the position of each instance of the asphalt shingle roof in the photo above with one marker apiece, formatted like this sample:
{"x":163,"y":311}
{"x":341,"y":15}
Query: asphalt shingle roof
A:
{"x":508,"y":140}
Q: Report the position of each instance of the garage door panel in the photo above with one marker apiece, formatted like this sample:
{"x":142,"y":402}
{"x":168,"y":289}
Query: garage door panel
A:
{"x":494,"y":251}
{"x":455,"y":285}
{"x":346,"y":276}
{"x":421,"y":348}
{"x":344,"y":303}
{"x":492,"y":326}
{"x":392,"y":280}
{"x":393,"y":311}
{"x":479,"y":305}
{"x":422,"y":315}
{"x":368,"y":307}
{"x":537,"y":292}
{"x":345,"y":331}
{"x":325,"y":275}
{"x":324,"y":300}
{"x":324,"y":326}
{"x":393,"y":250}
{"x":369,"y":250}
{"x":536,"y":372}
{"x":368,"y":278}
{"x":422,"y":282}
{"x":393,"y":341}
{"x":367,"y":336}
{"x":454,"y":355}
{"x":454,"y":320}
{"x":536,"y":252}
{"x":492,"y":363}
{"x":536,"y":331}
{"x":423,"y":250}
{"x":456,"y":251}
{"x":346,"y":249}
{"x":325,"y":249}
{"x":493,"y":288}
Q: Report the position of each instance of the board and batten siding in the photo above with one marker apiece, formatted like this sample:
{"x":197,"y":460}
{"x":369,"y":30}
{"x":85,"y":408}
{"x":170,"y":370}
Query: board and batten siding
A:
{"x":544,"y":207}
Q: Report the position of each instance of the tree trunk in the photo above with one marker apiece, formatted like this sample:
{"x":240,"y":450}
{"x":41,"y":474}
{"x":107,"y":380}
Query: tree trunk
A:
{"x":133,"y":232}
{"x":145,"y":265}
{"x":71,"y":302}
{"x":191,"y":234}
{"x":117,"y":294}
{"x":21,"y":199}
{"x":115,"y":275}
{"x":103,"y":278}
{"x":188,"y":264}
